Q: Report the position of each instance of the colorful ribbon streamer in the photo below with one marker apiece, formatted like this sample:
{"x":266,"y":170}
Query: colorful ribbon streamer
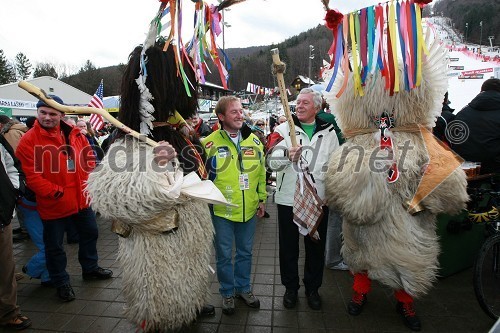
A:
{"x":376,"y":46}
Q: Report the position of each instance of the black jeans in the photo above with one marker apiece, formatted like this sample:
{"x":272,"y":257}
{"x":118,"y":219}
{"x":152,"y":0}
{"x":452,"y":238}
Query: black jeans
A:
{"x":53,"y":235}
{"x":289,"y":252}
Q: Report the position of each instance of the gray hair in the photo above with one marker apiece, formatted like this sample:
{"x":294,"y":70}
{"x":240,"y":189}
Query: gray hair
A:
{"x":317,"y":96}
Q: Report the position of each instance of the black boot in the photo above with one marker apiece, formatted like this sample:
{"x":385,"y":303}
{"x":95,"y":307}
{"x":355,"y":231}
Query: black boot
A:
{"x":206,"y":310}
{"x":290,"y":298}
{"x":407,"y":311}
{"x":356,"y":304}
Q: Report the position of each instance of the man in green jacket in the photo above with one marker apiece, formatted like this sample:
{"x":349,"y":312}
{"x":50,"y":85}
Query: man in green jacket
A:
{"x":236,"y":165}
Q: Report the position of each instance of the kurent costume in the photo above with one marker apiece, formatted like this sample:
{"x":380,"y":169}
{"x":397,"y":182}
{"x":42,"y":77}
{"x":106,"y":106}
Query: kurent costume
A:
{"x":165,"y":251}
{"x":165,"y":258}
{"x":389,"y":163}
{"x":168,"y":235}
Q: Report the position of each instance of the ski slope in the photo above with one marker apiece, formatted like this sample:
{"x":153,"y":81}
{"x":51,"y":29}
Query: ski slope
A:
{"x":462,"y":91}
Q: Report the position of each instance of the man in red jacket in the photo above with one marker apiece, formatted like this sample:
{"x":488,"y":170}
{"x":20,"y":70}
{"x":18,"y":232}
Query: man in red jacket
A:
{"x":57,"y":159}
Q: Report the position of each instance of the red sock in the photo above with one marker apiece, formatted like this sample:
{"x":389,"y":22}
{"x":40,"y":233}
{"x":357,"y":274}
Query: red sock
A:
{"x":402,"y":296}
{"x":362,"y":283}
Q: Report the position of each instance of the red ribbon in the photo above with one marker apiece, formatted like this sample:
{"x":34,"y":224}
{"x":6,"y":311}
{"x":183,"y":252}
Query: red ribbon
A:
{"x":390,"y":55}
{"x":379,"y":11}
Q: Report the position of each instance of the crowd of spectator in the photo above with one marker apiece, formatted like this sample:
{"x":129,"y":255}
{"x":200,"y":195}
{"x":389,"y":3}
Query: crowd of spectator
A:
{"x":51,"y":202}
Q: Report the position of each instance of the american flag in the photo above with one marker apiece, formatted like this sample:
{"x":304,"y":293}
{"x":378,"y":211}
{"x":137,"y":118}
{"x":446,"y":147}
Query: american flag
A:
{"x":96,"y":120}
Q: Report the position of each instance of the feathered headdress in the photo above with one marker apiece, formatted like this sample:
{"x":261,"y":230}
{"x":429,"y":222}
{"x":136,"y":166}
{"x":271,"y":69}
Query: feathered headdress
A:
{"x":207,"y":24}
{"x":146,"y":109}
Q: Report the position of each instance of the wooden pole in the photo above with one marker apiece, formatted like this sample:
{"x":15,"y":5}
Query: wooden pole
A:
{"x":279,"y":70}
{"x":42,"y":95}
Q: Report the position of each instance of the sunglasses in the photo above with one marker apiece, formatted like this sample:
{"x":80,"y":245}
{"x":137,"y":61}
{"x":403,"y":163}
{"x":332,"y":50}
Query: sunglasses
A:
{"x":260,"y":124}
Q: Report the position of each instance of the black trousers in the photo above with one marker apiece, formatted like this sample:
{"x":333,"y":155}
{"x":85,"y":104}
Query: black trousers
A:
{"x":289,"y":252}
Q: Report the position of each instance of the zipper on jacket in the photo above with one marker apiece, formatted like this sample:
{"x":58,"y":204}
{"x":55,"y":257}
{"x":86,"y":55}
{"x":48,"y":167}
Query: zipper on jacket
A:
{"x":281,"y":184}
{"x":240,"y":162}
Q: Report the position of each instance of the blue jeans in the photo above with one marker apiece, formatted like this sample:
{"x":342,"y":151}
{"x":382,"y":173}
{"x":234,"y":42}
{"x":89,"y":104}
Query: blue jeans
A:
{"x":36,"y":266}
{"x":237,"y":278}
{"x":53,"y":235}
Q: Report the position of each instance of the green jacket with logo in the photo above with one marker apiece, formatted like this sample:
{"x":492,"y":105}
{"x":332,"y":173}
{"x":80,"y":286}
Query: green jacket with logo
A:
{"x":227,"y":165}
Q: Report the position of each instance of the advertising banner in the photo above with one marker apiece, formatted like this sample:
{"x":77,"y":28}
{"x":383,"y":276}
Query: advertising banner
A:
{"x":471,"y":76}
{"x":477,"y":71}
{"x":6,"y":111}
{"x":10,"y":103}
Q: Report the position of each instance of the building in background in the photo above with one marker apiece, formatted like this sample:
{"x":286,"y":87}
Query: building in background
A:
{"x":17,"y":103}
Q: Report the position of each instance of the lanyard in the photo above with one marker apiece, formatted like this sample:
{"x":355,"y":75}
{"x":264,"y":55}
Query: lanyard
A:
{"x":238,"y":148}
{"x":66,"y":145}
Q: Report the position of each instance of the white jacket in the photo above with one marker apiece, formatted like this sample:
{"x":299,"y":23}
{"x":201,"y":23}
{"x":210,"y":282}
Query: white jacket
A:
{"x":316,"y":152}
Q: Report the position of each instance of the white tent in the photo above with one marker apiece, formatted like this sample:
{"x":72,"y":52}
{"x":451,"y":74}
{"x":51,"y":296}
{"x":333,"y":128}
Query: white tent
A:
{"x":16,"y":102}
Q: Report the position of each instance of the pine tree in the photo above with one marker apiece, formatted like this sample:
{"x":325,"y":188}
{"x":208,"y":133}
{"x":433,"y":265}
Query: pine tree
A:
{"x":7,"y":73}
{"x":45,"y":69}
{"x":23,"y":66}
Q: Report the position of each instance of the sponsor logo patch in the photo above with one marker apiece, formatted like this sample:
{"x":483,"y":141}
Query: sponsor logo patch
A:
{"x":257,"y":141}
{"x":249,"y":151}
{"x":209,"y":144}
{"x":223,"y":151}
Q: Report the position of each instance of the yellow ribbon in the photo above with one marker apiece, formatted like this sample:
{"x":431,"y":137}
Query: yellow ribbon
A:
{"x":421,"y":45}
{"x":176,"y":120}
{"x":357,"y":79}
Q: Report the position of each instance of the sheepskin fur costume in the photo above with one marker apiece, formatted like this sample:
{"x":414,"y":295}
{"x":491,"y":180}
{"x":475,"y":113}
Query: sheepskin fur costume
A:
{"x":380,"y":236}
{"x":165,"y":274}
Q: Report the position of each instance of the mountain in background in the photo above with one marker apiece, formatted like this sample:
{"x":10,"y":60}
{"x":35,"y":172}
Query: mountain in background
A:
{"x":253,"y":64}
{"x":472,"y":12}
{"x":250,"y":64}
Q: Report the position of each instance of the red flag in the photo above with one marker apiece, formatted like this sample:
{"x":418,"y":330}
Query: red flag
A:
{"x":96,"y":120}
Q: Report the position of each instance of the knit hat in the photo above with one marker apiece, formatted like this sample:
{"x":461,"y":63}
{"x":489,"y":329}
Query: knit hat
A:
{"x":54,"y":97}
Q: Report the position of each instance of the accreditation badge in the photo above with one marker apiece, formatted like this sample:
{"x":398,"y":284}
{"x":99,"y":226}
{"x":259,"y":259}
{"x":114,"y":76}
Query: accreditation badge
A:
{"x":70,"y":164}
{"x":244,"y":182}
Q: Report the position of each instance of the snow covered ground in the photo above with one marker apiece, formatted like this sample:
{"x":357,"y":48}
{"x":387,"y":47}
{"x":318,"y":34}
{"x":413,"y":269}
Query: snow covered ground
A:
{"x":462,"y":91}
